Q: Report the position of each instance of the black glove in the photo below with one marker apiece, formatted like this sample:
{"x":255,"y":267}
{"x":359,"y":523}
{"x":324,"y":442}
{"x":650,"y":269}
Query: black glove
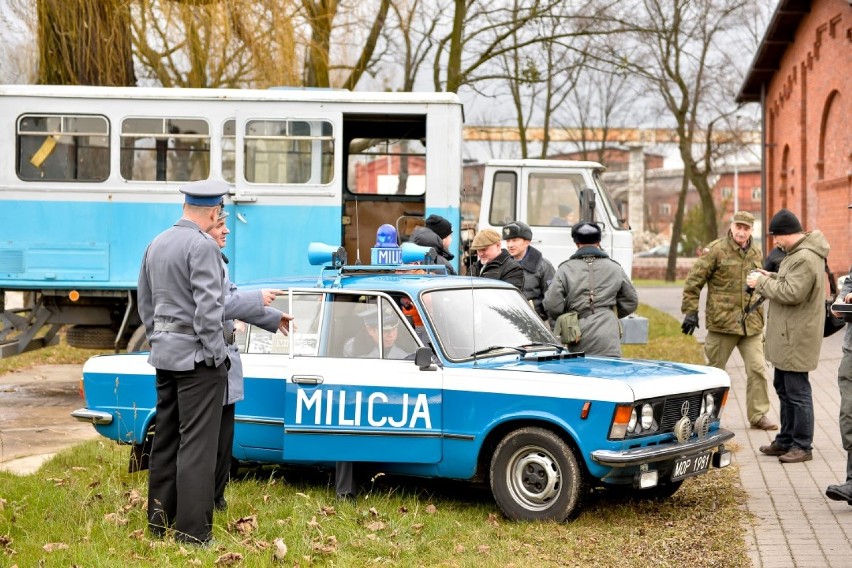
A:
{"x":690,"y":323}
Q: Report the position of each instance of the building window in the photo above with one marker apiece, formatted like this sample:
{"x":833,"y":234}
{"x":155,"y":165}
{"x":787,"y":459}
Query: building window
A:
{"x":165,"y":149}
{"x":756,"y":193}
{"x":727,"y":192}
{"x":63,"y":148}
{"x":665,"y":209}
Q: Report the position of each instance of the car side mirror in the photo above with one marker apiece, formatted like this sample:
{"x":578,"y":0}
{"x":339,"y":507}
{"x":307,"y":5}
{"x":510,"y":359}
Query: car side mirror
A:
{"x":423,"y":359}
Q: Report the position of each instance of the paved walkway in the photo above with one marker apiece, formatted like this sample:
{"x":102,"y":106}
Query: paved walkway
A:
{"x":794,"y":524}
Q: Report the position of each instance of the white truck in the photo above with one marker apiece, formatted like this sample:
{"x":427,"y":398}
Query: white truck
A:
{"x":550,"y":196}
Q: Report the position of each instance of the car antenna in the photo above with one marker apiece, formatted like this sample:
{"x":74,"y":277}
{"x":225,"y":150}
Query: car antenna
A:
{"x":472,"y":295}
{"x":357,"y":234}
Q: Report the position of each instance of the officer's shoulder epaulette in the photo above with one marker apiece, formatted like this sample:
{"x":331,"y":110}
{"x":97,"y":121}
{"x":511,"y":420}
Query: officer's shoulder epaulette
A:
{"x":713,"y":244}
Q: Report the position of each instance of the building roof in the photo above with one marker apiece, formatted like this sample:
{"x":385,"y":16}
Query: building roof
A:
{"x":779,"y":35}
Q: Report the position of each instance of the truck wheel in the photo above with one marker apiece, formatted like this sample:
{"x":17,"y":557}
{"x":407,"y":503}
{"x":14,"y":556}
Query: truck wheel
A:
{"x":91,"y":337}
{"x":138,"y":341}
{"x":535,"y":476}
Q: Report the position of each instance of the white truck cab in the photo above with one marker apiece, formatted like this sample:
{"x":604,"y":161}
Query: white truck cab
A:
{"x":551,"y":196}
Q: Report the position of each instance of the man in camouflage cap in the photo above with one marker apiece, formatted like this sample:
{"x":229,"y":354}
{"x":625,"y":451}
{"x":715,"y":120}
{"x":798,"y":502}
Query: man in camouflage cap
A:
{"x":730,"y":321}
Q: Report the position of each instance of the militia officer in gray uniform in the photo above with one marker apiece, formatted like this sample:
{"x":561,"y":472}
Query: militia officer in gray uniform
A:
{"x":181,"y":304}
{"x":252,"y":307}
{"x":596,"y":288}
{"x":538,"y":272}
{"x":843,"y":491}
{"x":734,"y":315}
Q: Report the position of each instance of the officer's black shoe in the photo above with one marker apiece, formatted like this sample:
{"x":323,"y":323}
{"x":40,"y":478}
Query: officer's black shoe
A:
{"x":840,"y":492}
{"x":346,"y":497}
{"x":220,"y":504}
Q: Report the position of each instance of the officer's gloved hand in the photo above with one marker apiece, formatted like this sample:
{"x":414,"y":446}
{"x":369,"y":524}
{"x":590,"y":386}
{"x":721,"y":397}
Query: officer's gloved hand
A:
{"x":690,"y":323}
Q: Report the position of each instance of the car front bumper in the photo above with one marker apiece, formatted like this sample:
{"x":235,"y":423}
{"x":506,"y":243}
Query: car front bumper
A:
{"x":651,"y":454}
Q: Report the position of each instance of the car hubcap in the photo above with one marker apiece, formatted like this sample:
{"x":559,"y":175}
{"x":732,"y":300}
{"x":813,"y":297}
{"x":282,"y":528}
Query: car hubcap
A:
{"x":534,"y":478}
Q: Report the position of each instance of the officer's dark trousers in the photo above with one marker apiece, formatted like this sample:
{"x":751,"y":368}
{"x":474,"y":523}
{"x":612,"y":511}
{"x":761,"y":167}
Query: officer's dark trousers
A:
{"x":183,"y":455}
{"x":224,"y":456}
{"x":796,"y":409}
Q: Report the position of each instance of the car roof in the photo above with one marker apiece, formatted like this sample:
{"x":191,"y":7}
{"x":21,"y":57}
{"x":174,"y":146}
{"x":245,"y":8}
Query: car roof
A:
{"x":389,"y":281}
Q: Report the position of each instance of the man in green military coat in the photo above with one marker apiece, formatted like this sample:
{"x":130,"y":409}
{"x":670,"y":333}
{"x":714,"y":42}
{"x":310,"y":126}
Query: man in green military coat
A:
{"x":732,"y":321}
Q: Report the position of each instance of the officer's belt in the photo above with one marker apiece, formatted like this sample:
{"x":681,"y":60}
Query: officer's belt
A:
{"x":174,"y":327}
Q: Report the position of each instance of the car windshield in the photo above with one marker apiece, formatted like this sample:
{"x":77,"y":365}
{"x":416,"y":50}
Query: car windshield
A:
{"x":487,"y":321}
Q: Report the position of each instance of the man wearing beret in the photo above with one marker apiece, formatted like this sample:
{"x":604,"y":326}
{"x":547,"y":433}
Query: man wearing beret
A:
{"x":493,"y":261}
{"x":843,"y":491}
{"x":538,"y":272}
{"x":734,"y":316}
{"x":437,"y":234}
{"x":594,"y":287}
{"x":181,"y":304}
{"x":794,"y":330}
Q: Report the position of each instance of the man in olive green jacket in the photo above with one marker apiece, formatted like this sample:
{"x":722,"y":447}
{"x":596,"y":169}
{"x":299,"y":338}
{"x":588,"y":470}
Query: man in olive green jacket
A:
{"x":794,"y":330}
{"x":732,"y":319}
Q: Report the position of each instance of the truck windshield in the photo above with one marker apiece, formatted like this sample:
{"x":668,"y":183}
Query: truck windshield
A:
{"x":610,"y":207}
{"x":468,"y":320}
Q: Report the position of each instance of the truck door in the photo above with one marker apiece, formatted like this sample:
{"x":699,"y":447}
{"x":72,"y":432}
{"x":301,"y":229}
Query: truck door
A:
{"x":286,"y":170}
{"x":351,"y":394}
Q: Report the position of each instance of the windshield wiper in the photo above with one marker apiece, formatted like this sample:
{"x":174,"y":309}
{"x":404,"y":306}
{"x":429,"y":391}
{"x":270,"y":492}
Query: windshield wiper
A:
{"x":498,"y":347}
{"x":556,"y":346}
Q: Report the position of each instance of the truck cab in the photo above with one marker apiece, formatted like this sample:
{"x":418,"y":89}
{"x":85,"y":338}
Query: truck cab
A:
{"x":551,"y":196}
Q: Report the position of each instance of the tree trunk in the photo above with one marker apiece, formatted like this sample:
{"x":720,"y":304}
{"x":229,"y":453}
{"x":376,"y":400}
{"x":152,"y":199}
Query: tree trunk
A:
{"x":87,"y":42}
{"x":677,"y":229}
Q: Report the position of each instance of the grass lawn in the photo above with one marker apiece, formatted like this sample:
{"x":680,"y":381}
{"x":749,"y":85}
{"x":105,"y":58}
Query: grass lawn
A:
{"x":82,"y":508}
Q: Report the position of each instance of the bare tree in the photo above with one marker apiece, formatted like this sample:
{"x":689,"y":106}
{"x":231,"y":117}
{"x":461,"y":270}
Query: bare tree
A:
{"x":320,"y":16}
{"x":676,"y":46}
{"x":85,"y":42}
{"x":216,"y":44}
{"x":410,"y":37}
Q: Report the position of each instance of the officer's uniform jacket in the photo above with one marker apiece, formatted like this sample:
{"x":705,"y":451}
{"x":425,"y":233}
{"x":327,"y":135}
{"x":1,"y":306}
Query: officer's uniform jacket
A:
{"x":797,"y":316}
{"x":180,"y":299}
{"x":503,"y":267}
{"x":538,"y":274}
{"x":724,"y":268}
{"x":246,"y":306}
{"x":845,"y":289}
{"x":596,"y":287}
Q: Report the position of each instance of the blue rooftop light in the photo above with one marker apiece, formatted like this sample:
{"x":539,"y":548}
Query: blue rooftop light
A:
{"x":386,"y":237}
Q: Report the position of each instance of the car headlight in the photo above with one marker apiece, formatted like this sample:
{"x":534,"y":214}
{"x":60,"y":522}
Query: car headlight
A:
{"x":631,"y":426}
{"x":709,"y":404}
{"x":647,"y":416}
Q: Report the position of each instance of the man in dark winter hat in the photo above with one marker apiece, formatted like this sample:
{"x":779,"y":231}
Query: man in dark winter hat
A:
{"x":538,"y":272}
{"x":794,"y":330}
{"x":438,"y":234}
{"x":592,"y":290}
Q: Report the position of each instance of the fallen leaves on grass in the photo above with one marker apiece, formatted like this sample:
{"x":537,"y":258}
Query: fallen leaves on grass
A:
{"x":244,"y":525}
{"x":431,"y":509}
{"x":54,"y":546}
{"x":115,"y":519}
{"x":280,"y":550}
{"x":375,"y":526}
{"x":229,"y":559}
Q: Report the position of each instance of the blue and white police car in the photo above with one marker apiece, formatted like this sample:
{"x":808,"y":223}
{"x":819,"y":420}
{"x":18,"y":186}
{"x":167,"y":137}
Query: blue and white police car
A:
{"x":431,"y":375}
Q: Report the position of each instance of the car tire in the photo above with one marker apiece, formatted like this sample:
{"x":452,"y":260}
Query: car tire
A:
{"x":535,"y":476}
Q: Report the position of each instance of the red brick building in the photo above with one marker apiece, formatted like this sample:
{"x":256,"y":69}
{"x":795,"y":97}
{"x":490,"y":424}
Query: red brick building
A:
{"x":802,"y":77}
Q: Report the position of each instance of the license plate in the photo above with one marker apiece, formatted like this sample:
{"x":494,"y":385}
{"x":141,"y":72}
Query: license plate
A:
{"x":685,"y":467}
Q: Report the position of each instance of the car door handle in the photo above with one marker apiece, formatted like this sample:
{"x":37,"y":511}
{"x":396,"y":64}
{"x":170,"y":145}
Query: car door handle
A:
{"x":307,"y":379}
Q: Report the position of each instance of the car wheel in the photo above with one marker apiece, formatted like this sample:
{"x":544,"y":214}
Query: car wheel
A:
{"x":535,"y":476}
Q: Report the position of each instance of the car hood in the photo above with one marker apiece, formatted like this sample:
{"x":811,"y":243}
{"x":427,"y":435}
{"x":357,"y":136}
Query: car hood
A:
{"x":643,"y":378}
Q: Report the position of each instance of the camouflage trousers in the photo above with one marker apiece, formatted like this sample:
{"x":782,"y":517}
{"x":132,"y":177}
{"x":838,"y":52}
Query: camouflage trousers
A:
{"x":718,"y":348}
{"x":844,"y":382}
